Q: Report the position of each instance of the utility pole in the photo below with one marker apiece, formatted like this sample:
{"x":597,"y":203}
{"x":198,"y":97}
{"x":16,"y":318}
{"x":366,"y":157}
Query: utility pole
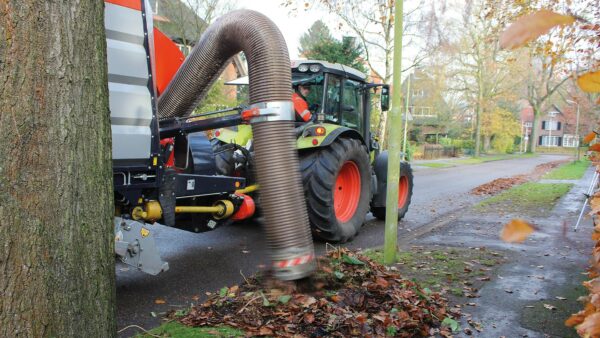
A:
{"x":576,"y":129}
{"x":393,"y":174}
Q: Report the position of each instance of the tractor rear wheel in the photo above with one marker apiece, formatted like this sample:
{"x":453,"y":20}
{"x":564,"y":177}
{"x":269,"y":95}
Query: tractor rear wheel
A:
{"x":337,"y":186}
{"x":405,"y":187}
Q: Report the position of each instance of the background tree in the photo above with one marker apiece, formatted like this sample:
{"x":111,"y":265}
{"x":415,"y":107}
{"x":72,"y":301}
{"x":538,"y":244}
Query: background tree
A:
{"x":345,"y":52}
{"x":57,"y":275}
{"x":317,"y":34}
{"x":484,"y":74}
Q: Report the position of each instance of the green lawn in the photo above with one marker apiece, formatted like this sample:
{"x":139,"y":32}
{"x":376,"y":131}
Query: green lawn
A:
{"x":569,"y":171}
{"x":436,"y":165}
{"x":175,"y":329}
{"x":482,"y":159}
{"x":530,"y":198}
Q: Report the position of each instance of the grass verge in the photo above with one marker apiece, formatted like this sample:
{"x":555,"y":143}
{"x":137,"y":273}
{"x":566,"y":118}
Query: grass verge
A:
{"x":569,"y":171}
{"x":175,"y":329}
{"x":534,"y":199}
{"x":448,"y":270}
{"x":436,"y":165}
{"x":483,"y":159}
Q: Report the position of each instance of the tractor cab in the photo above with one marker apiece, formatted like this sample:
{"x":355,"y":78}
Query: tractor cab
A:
{"x":339,"y":94}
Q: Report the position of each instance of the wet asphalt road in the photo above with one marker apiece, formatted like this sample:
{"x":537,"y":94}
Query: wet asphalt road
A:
{"x":208,"y":261}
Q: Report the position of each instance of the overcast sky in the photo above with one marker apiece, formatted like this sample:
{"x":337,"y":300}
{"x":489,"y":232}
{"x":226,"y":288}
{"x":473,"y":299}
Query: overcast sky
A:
{"x":292,"y":27}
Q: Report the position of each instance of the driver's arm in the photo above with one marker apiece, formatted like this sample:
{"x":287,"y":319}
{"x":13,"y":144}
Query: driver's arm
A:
{"x":301,"y":108}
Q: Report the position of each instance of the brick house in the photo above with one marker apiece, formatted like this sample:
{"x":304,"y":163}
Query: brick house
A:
{"x":551,"y":131}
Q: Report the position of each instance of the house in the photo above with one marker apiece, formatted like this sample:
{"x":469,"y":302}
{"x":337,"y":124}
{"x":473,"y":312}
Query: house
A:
{"x":184,"y":27}
{"x":551,"y":130}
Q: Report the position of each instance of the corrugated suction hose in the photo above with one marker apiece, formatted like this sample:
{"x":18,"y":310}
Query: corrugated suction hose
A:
{"x":286,"y":221}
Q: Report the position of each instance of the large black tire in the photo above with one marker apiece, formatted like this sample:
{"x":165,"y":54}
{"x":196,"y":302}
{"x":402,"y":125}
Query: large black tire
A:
{"x":320,"y":169}
{"x":224,"y":161}
{"x":404,"y":193}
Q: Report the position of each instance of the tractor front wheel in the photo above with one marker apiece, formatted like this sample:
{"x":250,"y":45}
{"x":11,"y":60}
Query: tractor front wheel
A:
{"x":337,"y":186}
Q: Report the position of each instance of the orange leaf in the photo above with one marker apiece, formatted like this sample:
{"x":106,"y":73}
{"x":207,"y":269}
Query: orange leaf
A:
{"x":596,"y":236}
{"x":590,"y":326}
{"x":516,"y":230}
{"x":595,"y":147}
{"x":575,"y":319}
{"x":589,"y":138}
{"x":590,"y":82}
{"x":159,"y":301}
{"x":530,"y":27}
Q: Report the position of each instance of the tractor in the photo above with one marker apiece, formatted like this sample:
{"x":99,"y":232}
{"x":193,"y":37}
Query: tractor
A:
{"x":344,"y":173}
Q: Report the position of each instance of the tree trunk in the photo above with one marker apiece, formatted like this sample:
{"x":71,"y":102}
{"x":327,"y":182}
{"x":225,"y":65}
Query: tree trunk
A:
{"x":478,"y":131}
{"x":56,"y":200}
{"x":534,"y":129}
{"x":487,"y":140}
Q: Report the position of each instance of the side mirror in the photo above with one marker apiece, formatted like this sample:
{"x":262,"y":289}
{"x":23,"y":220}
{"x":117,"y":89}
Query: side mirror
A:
{"x":385,"y":98}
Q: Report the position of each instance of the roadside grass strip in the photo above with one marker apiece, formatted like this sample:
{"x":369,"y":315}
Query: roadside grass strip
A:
{"x":436,"y":165}
{"x":176,"y":329}
{"x":530,"y":198}
{"x":569,"y":171}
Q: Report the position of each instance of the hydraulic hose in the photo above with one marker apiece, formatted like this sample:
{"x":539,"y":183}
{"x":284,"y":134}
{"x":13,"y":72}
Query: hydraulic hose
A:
{"x":286,"y":225}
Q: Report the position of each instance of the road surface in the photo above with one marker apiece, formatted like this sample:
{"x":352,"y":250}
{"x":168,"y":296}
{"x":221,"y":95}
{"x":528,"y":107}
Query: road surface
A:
{"x":208,"y":261}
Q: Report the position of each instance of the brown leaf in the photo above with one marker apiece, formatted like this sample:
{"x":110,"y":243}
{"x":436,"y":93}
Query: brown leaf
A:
{"x":590,"y":82}
{"x":159,"y":301}
{"x":309,"y":318}
{"x":516,"y":231}
{"x":265,"y":331}
{"x":531,"y":26}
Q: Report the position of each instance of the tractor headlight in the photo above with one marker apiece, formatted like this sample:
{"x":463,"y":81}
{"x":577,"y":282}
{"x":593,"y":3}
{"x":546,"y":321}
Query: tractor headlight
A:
{"x":302,"y":68}
{"x":315,"y":68}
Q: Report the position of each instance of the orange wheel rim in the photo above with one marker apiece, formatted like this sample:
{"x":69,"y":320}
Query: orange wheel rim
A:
{"x":347,"y":191}
{"x":402,"y":191}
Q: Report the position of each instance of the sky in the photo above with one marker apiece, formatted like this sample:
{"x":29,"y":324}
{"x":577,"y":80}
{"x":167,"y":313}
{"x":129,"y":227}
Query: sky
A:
{"x":292,"y":27}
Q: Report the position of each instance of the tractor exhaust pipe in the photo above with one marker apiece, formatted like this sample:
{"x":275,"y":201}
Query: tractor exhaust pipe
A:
{"x":286,"y":221}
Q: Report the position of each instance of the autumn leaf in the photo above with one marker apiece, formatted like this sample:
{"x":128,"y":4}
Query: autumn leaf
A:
{"x":516,"y":231}
{"x":589,"y":138}
{"x":530,"y":27}
{"x":595,"y":147}
{"x":590,"y":326}
{"x":159,"y":301}
{"x":590,"y":82}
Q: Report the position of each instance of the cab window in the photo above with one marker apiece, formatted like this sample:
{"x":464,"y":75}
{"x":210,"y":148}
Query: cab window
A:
{"x":333,"y":99}
{"x":352,"y":105}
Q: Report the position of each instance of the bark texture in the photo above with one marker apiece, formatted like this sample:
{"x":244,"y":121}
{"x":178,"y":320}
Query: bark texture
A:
{"x":56,"y":237}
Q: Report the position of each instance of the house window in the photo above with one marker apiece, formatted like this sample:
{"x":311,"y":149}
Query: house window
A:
{"x":570,"y":141}
{"x":550,"y":141}
{"x":551,"y":125}
{"x":528,"y":124}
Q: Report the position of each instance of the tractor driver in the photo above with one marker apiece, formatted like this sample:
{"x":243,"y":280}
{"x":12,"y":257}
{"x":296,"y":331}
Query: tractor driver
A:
{"x":303,"y":114}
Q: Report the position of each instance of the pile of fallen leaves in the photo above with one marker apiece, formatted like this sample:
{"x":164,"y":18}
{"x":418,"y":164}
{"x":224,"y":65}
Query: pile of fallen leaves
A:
{"x":349,"y":295}
{"x":587,"y":321}
{"x":501,"y":184}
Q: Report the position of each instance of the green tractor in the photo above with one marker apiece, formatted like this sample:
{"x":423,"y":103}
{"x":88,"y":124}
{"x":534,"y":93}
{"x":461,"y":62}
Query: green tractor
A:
{"x":344,"y":173}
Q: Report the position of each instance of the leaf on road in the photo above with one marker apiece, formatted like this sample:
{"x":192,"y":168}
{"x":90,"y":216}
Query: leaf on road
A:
{"x":516,"y":231}
{"x":590,"y":82}
{"x":451,"y":323}
{"x":550,"y":307}
{"x":560,"y":298}
{"x":159,"y":301}
{"x":531,"y":26}
{"x":590,"y":326}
